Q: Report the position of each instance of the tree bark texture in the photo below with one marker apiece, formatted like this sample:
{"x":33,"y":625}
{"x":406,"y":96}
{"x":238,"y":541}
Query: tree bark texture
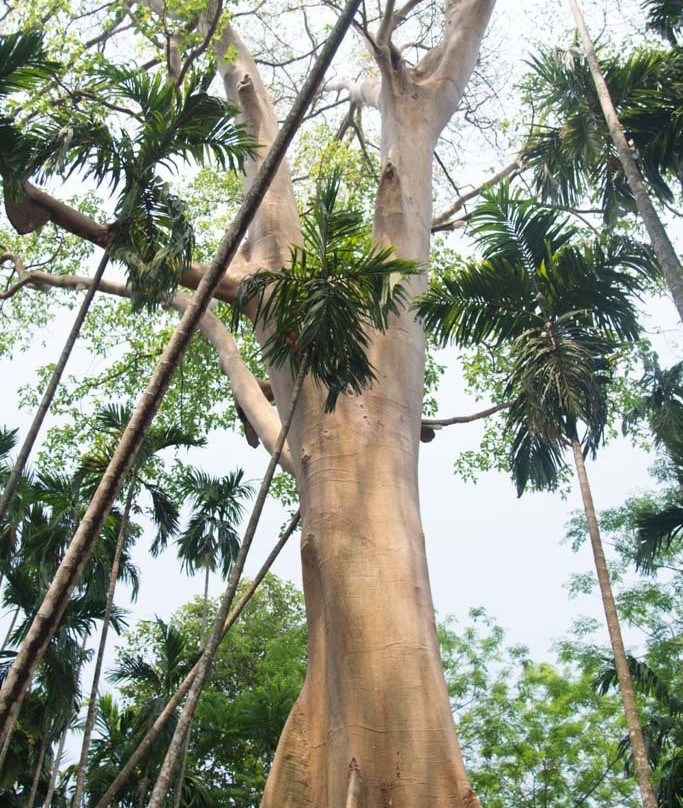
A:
{"x":635,"y":731}
{"x":106,"y":619}
{"x":666,"y":254}
{"x":375,"y":691}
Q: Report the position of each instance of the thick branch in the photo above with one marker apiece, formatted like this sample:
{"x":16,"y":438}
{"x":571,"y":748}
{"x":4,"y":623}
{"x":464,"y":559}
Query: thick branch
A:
{"x":275,"y":226}
{"x":247,"y":389}
{"x":40,"y":207}
{"x":465,"y":419}
{"x":513,"y":168}
{"x":449,"y":66}
{"x":245,"y":386}
{"x":362,"y":93}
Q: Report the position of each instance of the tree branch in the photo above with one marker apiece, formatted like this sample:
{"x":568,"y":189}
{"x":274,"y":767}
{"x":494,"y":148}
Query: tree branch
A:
{"x":437,"y":423}
{"x":449,"y":65}
{"x":510,"y":170}
{"x":246,"y":388}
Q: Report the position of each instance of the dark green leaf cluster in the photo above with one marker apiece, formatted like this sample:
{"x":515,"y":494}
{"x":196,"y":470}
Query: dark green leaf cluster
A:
{"x":210,"y":539}
{"x":661,"y":405}
{"x":117,"y":127}
{"x":570,"y":151}
{"x":665,"y":17}
{"x":561,"y":306}
{"x":663,"y":730}
{"x":325,"y":305}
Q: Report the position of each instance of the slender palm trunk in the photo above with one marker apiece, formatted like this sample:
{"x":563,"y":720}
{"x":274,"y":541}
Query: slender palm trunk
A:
{"x":142,"y":791}
{"x":10,"y":629}
{"x":635,"y":730}
{"x":51,"y":389}
{"x":666,"y":254}
{"x":155,"y":730}
{"x":67,"y":576}
{"x":55,"y":769}
{"x":106,"y":620}
{"x":204,"y":665}
{"x":177,"y":797}
{"x":39,"y":770}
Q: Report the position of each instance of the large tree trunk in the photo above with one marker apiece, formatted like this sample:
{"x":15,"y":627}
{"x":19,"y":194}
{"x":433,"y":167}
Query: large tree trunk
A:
{"x":635,"y":730}
{"x":374,"y":720}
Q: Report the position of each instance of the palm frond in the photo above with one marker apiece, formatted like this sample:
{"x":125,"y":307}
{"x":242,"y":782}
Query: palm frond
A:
{"x":337,"y":289}
{"x":23,"y":62}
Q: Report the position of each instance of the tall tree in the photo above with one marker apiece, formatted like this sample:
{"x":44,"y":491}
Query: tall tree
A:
{"x":112,"y":421}
{"x":372,"y":635}
{"x":562,"y":309}
{"x":666,"y":254}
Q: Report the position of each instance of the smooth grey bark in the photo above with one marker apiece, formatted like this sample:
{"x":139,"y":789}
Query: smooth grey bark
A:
{"x":635,"y":730}
{"x":106,"y":620}
{"x":55,"y":769}
{"x":157,"y":727}
{"x":50,"y":390}
{"x":69,"y":572}
{"x":666,"y":255}
{"x":203,"y":666}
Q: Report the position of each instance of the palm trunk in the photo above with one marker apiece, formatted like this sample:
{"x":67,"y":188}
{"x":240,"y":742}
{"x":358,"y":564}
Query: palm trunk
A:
{"x":635,"y":731}
{"x":109,"y":605}
{"x":155,"y":730}
{"x":51,"y":389}
{"x":50,"y":612}
{"x":39,"y":770}
{"x":666,"y":255}
{"x":186,"y":743}
{"x":204,"y":664}
{"x":5,"y":642}
{"x":55,"y":769}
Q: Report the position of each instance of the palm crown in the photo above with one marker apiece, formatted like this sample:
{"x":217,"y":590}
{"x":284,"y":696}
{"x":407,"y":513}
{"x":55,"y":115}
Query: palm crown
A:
{"x":559,"y":305}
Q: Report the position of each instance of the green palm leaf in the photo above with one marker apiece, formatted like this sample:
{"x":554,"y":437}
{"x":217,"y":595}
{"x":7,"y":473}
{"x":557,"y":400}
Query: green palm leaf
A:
{"x":337,"y":289}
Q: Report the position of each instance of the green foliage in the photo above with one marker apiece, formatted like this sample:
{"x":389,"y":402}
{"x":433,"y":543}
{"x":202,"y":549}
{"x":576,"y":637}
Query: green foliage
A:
{"x":324,"y":305}
{"x":532,"y":733}
{"x":650,"y":605}
{"x":665,"y":17}
{"x":561,"y":307}
{"x":210,"y":539}
{"x":570,"y":151}
{"x":255,"y":679}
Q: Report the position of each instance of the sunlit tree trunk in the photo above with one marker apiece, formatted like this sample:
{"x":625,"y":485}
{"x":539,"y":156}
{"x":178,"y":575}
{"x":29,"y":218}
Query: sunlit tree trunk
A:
{"x":635,"y":730}
{"x":666,"y":254}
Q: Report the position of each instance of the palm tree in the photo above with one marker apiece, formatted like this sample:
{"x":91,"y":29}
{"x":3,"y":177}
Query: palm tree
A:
{"x":66,"y":578}
{"x":589,"y":145}
{"x":151,"y":235}
{"x":158,"y":680}
{"x":664,"y":729}
{"x":112,"y":420}
{"x":561,"y":309}
{"x":210,"y":540}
